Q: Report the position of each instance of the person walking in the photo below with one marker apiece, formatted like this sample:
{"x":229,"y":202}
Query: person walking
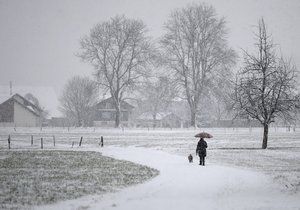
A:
{"x":201,"y":151}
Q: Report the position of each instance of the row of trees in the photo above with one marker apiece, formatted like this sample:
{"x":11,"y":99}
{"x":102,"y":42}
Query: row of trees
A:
{"x":195,"y":64}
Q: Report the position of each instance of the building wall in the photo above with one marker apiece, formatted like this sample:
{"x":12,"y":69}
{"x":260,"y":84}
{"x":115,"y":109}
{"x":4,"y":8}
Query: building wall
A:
{"x":7,"y":112}
{"x":110,"y":115}
{"x":7,"y":124}
{"x":24,"y":118}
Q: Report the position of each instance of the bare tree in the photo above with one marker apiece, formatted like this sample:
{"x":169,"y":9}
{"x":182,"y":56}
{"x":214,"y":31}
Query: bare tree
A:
{"x":266,"y":85}
{"x":119,"y":50}
{"x":78,"y":100}
{"x":30,"y":97}
{"x":157,"y":95}
{"x":196,"y":50}
{"x":215,"y":102}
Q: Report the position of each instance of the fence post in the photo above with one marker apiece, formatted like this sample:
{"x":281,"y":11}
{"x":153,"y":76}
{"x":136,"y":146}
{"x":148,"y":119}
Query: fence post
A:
{"x":31,"y":140}
{"x":41,"y":143}
{"x":8,"y":141}
{"x":80,"y":141}
{"x":53,"y":140}
{"x":102,"y":143}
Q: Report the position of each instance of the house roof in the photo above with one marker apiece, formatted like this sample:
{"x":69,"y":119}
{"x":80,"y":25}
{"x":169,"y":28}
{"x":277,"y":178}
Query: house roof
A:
{"x":45,"y":94}
{"x":24,"y":103}
{"x":124,"y":104}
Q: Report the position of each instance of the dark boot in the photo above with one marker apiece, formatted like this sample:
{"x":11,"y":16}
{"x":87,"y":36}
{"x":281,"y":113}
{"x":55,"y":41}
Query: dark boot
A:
{"x":201,"y":160}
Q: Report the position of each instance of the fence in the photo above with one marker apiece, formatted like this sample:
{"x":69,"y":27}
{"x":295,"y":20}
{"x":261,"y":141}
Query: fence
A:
{"x":34,"y":138}
{"x":44,"y":141}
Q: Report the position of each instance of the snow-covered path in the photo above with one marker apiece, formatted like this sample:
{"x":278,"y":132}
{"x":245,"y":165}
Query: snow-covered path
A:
{"x":181,"y":185}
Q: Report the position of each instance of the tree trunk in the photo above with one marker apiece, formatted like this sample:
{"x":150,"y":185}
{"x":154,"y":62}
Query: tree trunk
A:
{"x":79,"y":122}
{"x":193,"y":118}
{"x":118,"y":114}
{"x":265,"y":138}
{"x":154,"y":120}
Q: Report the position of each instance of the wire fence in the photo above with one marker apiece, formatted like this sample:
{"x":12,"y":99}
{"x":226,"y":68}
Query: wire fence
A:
{"x":51,"y":138}
{"x":44,"y":141}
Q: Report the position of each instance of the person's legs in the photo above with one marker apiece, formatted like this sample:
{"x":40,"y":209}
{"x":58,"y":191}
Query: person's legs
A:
{"x":203,"y":161}
{"x":200,"y":160}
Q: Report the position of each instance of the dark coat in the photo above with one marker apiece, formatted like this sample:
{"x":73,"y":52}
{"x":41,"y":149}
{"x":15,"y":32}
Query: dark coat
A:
{"x":201,"y":148}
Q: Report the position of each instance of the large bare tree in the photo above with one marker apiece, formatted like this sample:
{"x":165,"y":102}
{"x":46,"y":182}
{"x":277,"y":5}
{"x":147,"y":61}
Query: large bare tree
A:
{"x":119,"y":50}
{"x":196,"y":50}
{"x":78,"y":100}
{"x":266,"y":85}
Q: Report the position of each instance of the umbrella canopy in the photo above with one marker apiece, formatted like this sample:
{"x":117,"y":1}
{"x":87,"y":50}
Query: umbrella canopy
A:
{"x":203,"y":135}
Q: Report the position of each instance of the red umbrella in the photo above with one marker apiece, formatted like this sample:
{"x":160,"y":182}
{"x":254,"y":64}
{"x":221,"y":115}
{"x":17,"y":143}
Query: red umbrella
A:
{"x":203,"y":135}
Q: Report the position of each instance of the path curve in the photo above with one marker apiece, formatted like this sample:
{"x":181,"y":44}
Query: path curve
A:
{"x":184,"y":186}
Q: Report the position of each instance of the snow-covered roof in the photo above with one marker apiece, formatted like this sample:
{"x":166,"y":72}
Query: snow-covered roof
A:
{"x":30,"y":107}
{"x":45,"y":94}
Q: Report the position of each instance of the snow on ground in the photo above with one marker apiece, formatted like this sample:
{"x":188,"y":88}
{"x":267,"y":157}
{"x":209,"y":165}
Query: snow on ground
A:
{"x":234,"y":147}
{"x":35,"y":177}
{"x":182,"y":185}
{"x":238,"y":171}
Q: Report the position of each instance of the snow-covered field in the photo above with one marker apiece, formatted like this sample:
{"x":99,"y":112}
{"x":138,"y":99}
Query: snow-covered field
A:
{"x":39,"y":177}
{"x":237,"y":148}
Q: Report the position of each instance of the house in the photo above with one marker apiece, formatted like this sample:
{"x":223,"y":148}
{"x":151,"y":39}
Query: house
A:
{"x":46,"y":96}
{"x":105,"y":113}
{"x":19,"y":112}
{"x":166,"y":120}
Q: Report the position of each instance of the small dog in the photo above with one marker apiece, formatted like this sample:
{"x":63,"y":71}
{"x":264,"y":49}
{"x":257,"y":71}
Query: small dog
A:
{"x":190,"y":157}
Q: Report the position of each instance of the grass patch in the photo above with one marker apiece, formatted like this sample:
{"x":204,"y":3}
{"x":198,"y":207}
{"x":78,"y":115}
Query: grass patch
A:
{"x":43,"y":177}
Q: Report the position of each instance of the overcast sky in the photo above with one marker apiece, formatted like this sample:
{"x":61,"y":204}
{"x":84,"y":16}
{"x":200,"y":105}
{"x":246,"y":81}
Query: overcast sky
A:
{"x":39,"y":38}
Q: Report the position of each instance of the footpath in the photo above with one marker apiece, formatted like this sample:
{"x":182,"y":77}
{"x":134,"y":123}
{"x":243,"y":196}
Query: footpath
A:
{"x":186,"y":186}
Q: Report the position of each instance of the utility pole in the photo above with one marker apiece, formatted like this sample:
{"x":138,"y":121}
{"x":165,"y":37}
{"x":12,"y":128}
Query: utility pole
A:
{"x":10,"y":88}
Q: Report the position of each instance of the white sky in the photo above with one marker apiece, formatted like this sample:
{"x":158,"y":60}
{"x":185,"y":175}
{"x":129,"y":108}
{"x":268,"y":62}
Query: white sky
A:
{"x":38,"y":38}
